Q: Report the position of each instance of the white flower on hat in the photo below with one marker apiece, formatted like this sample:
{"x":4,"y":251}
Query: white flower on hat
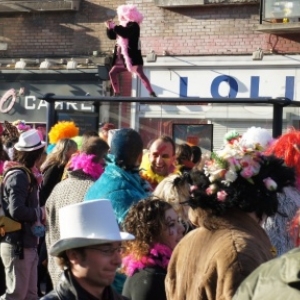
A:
{"x":270,"y":184}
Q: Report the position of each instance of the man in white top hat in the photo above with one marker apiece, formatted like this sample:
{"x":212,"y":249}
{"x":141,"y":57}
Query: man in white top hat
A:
{"x":89,"y":251}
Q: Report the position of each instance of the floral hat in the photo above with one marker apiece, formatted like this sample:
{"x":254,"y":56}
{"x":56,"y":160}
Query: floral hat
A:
{"x":241,"y":176}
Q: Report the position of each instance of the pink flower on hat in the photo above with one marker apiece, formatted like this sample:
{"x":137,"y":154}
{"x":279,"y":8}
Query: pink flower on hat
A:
{"x":221,"y":195}
{"x":247,"y":172}
{"x":211,"y":189}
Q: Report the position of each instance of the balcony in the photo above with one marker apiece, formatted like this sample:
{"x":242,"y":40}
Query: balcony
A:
{"x":13,"y":6}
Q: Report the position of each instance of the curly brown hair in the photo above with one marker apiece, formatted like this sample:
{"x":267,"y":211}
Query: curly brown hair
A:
{"x":145,"y":220}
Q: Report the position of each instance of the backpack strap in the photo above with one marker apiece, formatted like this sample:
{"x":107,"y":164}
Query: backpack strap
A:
{"x":11,"y":170}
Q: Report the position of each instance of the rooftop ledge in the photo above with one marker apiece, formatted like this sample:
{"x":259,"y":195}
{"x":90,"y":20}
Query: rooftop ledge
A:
{"x":278,"y":28}
{"x":13,"y":6}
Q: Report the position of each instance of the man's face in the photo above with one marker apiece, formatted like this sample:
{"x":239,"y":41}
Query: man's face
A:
{"x":99,"y":264}
{"x":161,"y":157}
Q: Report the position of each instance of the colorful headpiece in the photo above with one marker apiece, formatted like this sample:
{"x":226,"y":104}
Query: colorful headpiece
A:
{"x":62,"y":130}
{"x":21,"y":126}
{"x":129,"y":13}
{"x":239,"y":176}
{"x":287,"y":147}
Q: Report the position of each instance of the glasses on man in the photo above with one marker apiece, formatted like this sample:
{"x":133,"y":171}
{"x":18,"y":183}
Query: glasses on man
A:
{"x":109,"y":251}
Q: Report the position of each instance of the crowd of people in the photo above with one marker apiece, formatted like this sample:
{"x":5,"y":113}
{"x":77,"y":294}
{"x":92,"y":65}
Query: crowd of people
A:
{"x":101,"y":216}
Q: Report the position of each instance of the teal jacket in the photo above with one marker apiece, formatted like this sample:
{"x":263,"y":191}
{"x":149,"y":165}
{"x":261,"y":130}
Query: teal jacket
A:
{"x":278,"y":278}
{"x":123,"y":188}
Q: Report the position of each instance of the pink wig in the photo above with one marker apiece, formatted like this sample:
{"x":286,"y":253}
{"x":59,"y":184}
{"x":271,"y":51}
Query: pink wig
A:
{"x":287,"y":147}
{"x":129,"y":13}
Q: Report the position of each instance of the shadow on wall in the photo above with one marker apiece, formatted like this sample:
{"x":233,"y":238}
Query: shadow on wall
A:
{"x":54,"y":34}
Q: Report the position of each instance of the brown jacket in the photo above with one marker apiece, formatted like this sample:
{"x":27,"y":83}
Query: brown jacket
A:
{"x":211,"y":263}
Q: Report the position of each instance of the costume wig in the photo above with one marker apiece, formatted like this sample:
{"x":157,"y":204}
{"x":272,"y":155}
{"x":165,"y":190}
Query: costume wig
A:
{"x":62,"y":130}
{"x":129,"y":13}
{"x":287,"y":147}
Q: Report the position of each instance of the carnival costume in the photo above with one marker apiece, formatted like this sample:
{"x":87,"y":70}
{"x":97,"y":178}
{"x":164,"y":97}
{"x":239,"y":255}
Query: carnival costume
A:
{"x":127,"y":51}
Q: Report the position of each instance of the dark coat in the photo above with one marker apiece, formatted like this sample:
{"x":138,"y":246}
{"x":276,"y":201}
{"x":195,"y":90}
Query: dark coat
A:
{"x":147,"y":284}
{"x":51,"y":176}
{"x":20,"y":203}
{"x":132,"y":33}
{"x":69,"y":289}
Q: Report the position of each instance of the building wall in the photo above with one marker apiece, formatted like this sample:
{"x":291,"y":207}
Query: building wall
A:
{"x":199,"y":30}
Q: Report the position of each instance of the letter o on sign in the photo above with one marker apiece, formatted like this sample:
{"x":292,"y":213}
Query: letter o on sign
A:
{"x":11,"y":96}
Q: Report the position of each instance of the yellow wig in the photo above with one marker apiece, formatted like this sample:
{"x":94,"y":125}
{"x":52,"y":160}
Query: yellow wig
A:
{"x":62,"y":130}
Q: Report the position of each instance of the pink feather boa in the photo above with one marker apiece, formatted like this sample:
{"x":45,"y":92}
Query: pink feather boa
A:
{"x":159,"y":255}
{"x":123,"y":43}
{"x":84,"y":162}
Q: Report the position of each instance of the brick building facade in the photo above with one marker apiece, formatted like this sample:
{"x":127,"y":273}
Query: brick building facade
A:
{"x":219,"y":29}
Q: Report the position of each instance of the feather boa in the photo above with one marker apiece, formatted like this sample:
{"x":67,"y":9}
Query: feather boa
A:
{"x":159,"y":255}
{"x":147,"y":173}
{"x":84,"y":162}
{"x":123,"y":43}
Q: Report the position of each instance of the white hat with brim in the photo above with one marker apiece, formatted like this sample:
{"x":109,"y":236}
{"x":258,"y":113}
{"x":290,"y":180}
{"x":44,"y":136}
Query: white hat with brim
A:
{"x":29,"y":141}
{"x":88,"y":223}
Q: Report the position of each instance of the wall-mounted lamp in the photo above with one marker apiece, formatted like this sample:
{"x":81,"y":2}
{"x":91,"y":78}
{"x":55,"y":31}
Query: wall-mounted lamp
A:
{"x":151,"y":57}
{"x":20,"y":65}
{"x":45,"y":65}
{"x":72,"y":64}
{"x":258,"y":54}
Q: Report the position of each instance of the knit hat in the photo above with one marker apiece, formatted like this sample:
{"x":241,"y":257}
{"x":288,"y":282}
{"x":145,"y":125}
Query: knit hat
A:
{"x":126,"y":146}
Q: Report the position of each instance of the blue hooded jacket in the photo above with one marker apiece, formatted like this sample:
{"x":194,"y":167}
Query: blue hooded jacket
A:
{"x":123,"y":188}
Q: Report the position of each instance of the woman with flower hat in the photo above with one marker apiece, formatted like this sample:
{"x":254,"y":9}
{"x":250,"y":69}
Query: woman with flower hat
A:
{"x":229,"y":200}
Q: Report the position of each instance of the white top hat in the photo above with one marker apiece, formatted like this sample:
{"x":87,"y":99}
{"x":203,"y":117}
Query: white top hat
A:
{"x":87,"y":223}
{"x":29,"y":140}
